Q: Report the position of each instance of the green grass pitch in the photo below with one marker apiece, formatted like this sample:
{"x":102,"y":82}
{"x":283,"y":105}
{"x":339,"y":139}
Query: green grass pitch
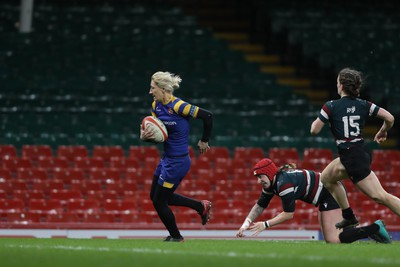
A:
{"x":58,"y":252}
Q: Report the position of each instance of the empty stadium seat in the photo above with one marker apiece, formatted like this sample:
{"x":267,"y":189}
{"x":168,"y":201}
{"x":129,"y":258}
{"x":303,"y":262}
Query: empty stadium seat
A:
{"x":101,"y":195}
{"x":46,"y":186}
{"x":23,"y":218}
{"x":282,"y":156}
{"x":34,"y":152}
{"x":5,"y":174}
{"x":83,"y":206}
{"x":118,"y":207}
{"x":13,"y":164}
{"x":105,"y":175}
{"x":143,"y":152}
{"x":30,"y":174}
{"x":106,"y":152}
{"x":26,"y":195}
{"x":67,"y":175}
{"x":216,"y":152}
{"x":124,"y":163}
{"x":8,"y":151}
{"x":65,"y":217}
{"x":71,"y":152}
{"x":99,"y":218}
{"x":86,"y":163}
{"x":51,"y":163}
{"x":11,"y":206}
{"x":65,"y":195}
{"x":312,"y":153}
{"x":84,"y":186}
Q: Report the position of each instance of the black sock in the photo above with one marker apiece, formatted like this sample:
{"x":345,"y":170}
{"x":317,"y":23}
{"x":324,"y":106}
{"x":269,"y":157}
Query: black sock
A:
{"x":353,"y":234}
{"x":160,"y":202}
{"x":348,"y":213}
{"x":180,"y":200}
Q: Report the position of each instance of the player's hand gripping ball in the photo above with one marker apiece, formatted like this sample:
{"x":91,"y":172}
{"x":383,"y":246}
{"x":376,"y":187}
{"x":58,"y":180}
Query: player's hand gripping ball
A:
{"x":153,"y":129}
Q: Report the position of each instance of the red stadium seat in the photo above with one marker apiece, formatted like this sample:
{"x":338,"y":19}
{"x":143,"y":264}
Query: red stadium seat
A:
{"x":3,"y":194}
{"x":11,"y":206}
{"x":194,"y":185}
{"x":71,"y":152}
{"x":13,"y":164}
{"x":65,"y":195}
{"x":192,"y":152}
{"x":85,"y":186}
{"x":229,"y":205}
{"x":200,"y":163}
{"x":67,"y":175}
{"x":23,"y":218}
{"x":312,"y":153}
{"x":100,"y":195}
{"x":34,"y":152}
{"x":151,"y":162}
{"x":82,"y":206}
{"x":123,"y":163}
{"x":117,"y":207}
{"x":121,"y":186}
{"x":88,"y":163}
{"x":5,"y":174}
{"x":216,"y":152}
{"x":130,"y":218}
{"x":8,"y":151}
{"x":106,"y":152}
{"x":249,"y":155}
{"x":282,"y":156}
{"x":217,"y":195}
{"x":46,"y":186}
{"x":105,"y":175}
{"x":42,"y":206}
{"x":314,"y":164}
{"x":31,"y":174}
{"x":143,"y":152}
{"x":27,"y":195}
{"x":52,"y":163}
{"x":18,"y":184}
{"x":65,"y":217}
{"x":386,"y":155}
{"x":99,"y":218}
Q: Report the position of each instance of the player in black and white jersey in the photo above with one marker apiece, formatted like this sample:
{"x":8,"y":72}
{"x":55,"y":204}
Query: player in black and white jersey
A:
{"x":292,"y":184}
{"x":346,"y":118}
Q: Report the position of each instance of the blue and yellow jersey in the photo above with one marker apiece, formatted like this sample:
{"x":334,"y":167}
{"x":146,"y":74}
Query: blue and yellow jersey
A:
{"x":175,"y":115}
{"x":347,"y":117}
{"x":294,"y":185}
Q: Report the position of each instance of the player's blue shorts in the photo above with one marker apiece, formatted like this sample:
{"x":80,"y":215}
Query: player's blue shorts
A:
{"x":171,"y":170}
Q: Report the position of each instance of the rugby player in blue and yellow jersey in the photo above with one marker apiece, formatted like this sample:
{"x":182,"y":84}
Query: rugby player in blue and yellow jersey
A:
{"x":346,"y":118}
{"x":175,"y":162}
{"x":292,"y":184}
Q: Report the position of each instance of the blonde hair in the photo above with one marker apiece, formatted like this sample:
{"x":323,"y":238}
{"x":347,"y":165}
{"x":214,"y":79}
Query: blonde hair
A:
{"x":166,"y":80}
{"x":287,"y":166}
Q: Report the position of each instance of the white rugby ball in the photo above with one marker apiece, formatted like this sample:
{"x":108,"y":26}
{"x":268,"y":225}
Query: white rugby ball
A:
{"x":157,"y":126}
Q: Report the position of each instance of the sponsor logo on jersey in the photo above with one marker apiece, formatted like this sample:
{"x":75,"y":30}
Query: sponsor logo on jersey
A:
{"x":170,"y":123}
{"x":170,"y":111}
{"x":351,"y":110}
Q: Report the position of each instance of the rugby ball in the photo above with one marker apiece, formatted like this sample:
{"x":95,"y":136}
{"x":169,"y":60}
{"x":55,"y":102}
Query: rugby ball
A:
{"x":157,"y":126}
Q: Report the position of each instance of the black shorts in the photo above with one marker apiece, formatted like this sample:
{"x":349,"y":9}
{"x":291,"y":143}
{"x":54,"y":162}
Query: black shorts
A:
{"x":327,"y":201}
{"x":357,"y":161}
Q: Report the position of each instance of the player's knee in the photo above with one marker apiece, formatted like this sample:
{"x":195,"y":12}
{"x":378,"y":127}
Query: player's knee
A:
{"x":381,"y":198}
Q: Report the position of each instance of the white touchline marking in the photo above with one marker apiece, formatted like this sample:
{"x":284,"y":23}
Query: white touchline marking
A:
{"x":215,"y":254}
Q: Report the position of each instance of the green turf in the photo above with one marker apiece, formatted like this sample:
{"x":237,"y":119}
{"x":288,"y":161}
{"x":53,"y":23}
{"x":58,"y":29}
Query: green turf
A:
{"x":26,"y":252}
